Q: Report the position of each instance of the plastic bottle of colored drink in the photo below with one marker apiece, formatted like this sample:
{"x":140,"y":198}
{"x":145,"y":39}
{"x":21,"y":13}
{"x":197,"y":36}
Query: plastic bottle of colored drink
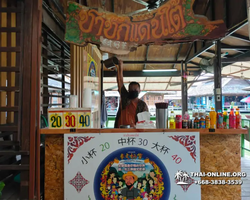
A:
{"x":185,"y":120}
{"x":172,"y":120}
{"x":232,"y":119}
{"x":213,"y":118}
{"x":238,"y":118}
{"x":219,"y":120}
{"x":225,"y":119}
{"x":202,"y":122}
{"x":207,"y":122}
{"x":196,"y":122}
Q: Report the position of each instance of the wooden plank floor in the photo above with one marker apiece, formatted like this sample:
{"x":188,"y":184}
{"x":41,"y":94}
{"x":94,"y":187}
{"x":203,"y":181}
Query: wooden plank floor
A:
{"x":245,"y":188}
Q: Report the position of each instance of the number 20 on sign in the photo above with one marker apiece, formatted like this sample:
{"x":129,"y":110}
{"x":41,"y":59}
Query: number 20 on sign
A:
{"x":56,"y":120}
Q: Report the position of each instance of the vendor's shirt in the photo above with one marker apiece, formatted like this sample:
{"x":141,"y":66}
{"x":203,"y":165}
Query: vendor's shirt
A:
{"x":130,"y":193}
{"x":128,"y":114}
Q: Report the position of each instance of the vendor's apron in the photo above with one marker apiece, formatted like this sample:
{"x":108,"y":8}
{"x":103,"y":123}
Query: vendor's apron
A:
{"x":128,"y":115}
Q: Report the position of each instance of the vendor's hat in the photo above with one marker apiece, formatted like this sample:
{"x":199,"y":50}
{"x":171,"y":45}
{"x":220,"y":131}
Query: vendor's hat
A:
{"x":130,"y":174}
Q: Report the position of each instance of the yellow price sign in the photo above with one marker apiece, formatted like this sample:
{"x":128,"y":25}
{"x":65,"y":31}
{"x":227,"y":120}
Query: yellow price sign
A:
{"x":84,"y":120}
{"x":70,"y":120}
{"x":56,"y":120}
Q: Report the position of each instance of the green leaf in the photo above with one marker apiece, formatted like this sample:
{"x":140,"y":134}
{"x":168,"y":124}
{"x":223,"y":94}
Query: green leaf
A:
{"x":188,"y":18}
{"x":1,"y":187}
{"x":194,"y":29}
{"x":72,"y":7}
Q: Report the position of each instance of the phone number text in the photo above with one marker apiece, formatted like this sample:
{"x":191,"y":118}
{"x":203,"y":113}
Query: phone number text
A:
{"x":219,"y":182}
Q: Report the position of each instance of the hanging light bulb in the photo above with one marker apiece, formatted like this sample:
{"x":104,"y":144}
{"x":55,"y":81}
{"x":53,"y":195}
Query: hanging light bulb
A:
{"x":242,"y":75}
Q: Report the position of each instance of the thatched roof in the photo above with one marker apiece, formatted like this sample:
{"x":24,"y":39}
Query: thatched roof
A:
{"x":229,"y":87}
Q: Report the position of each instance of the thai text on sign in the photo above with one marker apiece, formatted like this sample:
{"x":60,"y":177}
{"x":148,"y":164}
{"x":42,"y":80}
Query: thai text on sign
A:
{"x":172,"y":22}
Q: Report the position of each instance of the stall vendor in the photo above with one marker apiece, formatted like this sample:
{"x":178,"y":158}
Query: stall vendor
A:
{"x":130,"y":104}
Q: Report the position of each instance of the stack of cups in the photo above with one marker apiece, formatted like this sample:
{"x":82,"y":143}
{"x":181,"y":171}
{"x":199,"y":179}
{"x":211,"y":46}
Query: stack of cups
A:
{"x":73,"y":101}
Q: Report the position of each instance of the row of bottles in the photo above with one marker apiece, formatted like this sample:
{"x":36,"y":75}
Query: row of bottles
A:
{"x":176,"y":122}
{"x":201,"y":120}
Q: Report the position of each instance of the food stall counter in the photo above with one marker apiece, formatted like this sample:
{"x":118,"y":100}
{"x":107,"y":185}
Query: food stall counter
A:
{"x":220,"y":151}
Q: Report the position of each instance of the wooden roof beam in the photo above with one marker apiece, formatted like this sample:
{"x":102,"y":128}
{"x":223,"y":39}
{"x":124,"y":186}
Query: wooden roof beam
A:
{"x":240,"y":37}
{"x":142,"y":74}
{"x":193,"y":67}
{"x":203,"y":57}
{"x":169,"y":83}
{"x":211,"y":52}
{"x":138,"y":62}
{"x":178,"y":54}
{"x":204,"y":49}
{"x":238,"y":58}
{"x":211,"y":44}
{"x":243,"y":70}
{"x":150,"y":74}
{"x":189,"y":50}
{"x":193,"y":63}
{"x":145,"y":83}
{"x":141,"y":82}
{"x":229,"y":47}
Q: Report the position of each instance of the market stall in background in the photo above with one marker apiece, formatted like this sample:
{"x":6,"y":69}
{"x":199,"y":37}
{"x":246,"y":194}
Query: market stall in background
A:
{"x":113,"y":154}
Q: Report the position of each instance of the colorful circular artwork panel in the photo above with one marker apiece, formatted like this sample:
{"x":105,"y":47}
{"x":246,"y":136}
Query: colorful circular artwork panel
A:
{"x":131,"y":166}
{"x":132,"y":173}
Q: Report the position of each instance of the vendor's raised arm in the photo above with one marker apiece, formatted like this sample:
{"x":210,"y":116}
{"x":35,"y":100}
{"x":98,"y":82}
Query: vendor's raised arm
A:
{"x":119,"y":76}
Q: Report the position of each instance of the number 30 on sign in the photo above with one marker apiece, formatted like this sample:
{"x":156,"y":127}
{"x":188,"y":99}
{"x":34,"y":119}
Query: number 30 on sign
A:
{"x":70,"y":119}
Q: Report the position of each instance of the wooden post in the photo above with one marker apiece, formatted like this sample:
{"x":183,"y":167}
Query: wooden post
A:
{"x":217,"y":78}
{"x":63,"y":76}
{"x":31,"y":54}
{"x":45,"y":73}
{"x":248,"y":14}
{"x":101,"y":92}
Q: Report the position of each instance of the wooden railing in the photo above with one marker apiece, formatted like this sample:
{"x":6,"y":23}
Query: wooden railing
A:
{"x":245,"y":149}
{"x":10,"y":86}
